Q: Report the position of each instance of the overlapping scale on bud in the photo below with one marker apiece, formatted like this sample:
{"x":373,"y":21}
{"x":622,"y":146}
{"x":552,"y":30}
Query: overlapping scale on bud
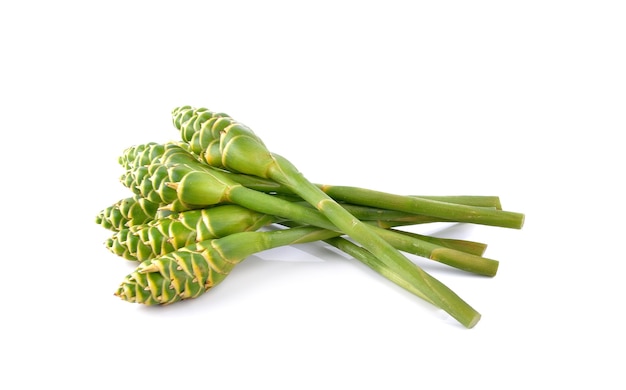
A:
{"x":152,"y":152}
{"x":192,"y":270}
{"x":140,"y":155}
{"x":153,"y":167}
{"x":200,"y":128}
{"x":166,"y":235}
{"x":151,"y":181}
{"x":127,"y":212}
{"x":223,"y":142}
{"x":182,"y":274}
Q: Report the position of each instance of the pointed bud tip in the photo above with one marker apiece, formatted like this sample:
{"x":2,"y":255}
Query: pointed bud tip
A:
{"x":147,"y":268}
{"x":167,"y":207}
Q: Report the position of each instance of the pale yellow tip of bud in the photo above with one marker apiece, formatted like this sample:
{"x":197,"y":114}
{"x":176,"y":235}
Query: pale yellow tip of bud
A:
{"x":146,"y":269}
{"x":173,"y":186}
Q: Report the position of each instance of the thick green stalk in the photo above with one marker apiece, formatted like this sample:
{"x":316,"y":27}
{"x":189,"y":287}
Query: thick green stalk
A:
{"x":178,"y":230}
{"x":430,"y":207}
{"x":434,"y":291}
{"x":422,"y":245}
{"x":387,"y":219}
{"x":374,"y":214}
{"x":468,"y":200}
{"x":471,"y":247}
{"x":379,"y":214}
{"x":484,"y":210}
{"x":343,"y":193}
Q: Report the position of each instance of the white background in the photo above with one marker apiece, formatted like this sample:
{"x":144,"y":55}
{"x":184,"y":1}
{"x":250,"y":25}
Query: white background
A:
{"x":525,"y":100}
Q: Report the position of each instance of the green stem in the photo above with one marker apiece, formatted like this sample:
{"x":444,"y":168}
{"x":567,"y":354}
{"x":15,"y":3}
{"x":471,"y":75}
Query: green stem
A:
{"x":355,"y":195}
{"x":390,"y":218}
{"x":471,"y":247}
{"x":377,"y":214}
{"x":203,"y":188}
{"x":468,"y":200}
{"x":430,"y":288}
{"x":430,"y":207}
{"x":424,"y":246}
{"x":441,"y":250}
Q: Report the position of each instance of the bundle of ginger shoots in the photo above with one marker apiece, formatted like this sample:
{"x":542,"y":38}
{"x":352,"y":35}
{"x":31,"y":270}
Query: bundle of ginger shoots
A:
{"x":202,"y":204}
